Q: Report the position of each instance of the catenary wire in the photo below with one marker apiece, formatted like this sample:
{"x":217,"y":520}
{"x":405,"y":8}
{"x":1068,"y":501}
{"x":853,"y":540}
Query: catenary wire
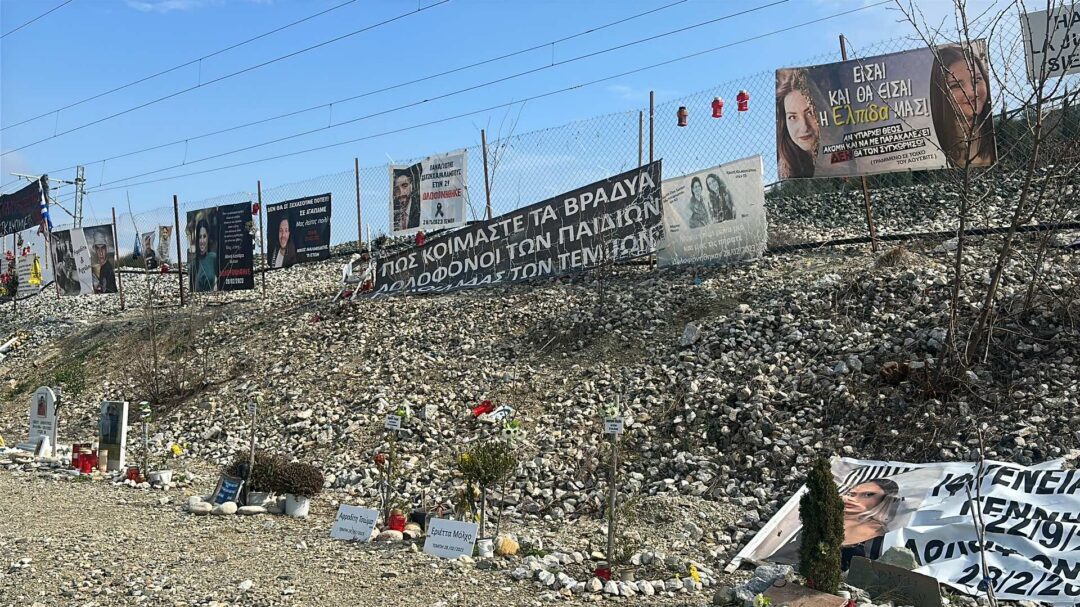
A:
{"x":374,"y":92}
{"x":59,"y":6}
{"x":498,"y":106}
{"x":225,"y":77}
{"x":176,"y":67}
{"x":442,"y":96}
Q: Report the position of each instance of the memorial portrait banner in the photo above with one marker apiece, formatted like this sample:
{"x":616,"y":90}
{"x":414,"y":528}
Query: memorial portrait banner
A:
{"x":298,"y":231}
{"x":221,"y":249}
{"x":912,"y":110}
{"x":615,"y":219}
{"x":429,"y":195}
{"x":1031,"y":517}
{"x":715,"y":216}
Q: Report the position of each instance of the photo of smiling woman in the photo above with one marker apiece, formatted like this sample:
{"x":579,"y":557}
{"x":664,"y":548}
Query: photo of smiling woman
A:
{"x":797,"y":128}
{"x":202,"y":253}
{"x":960,"y":104}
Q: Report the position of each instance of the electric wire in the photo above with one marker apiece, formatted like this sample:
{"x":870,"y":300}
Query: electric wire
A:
{"x":373,"y":92}
{"x":442,"y":96}
{"x":225,"y":77}
{"x":176,"y":67}
{"x":61,"y":5}
{"x":498,"y":106}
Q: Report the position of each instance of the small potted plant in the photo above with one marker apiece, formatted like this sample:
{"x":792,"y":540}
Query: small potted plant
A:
{"x":162,"y":475}
{"x":299,"y":482}
{"x":260,"y":482}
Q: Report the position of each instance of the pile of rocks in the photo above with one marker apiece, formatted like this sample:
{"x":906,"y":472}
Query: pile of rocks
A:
{"x":201,"y":505}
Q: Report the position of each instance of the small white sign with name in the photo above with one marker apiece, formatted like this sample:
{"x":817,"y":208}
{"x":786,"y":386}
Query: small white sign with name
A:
{"x":613,"y":425}
{"x":450,"y":539}
{"x":393,"y":422}
{"x":251,"y":408}
{"x":354,"y":523}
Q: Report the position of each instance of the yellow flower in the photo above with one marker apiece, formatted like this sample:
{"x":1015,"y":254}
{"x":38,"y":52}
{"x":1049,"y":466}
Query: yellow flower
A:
{"x":176,"y":450}
{"x":694,"y":574}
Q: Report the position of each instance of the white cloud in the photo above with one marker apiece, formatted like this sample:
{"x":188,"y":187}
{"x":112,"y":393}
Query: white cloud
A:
{"x":641,"y":96}
{"x":164,"y":6}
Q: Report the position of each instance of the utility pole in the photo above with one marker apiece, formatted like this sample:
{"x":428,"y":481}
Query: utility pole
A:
{"x":80,"y":191}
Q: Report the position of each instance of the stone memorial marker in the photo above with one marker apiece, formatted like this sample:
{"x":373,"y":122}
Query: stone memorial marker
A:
{"x":450,"y":539}
{"x":899,"y":585}
{"x":42,"y":419}
{"x":354,"y":523}
{"x":112,"y":432}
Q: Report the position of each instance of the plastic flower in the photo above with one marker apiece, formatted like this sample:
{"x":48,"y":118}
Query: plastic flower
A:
{"x":380,"y":459}
{"x":176,"y":450}
{"x":694,"y":573}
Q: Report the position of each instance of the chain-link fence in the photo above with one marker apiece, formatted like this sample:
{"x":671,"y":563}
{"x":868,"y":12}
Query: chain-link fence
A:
{"x":528,"y":167}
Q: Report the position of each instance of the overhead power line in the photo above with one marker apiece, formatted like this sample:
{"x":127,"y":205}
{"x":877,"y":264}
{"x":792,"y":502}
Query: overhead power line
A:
{"x":12,"y":31}
{"x":498,"y":106}
{"x":175,"y":67}
{"x":446,"y":95}
{"x":550,"y":43}
{"x":226,"y":77}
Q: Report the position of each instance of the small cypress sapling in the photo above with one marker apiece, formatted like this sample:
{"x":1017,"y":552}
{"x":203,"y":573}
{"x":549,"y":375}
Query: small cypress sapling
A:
{"x":822,"y":514}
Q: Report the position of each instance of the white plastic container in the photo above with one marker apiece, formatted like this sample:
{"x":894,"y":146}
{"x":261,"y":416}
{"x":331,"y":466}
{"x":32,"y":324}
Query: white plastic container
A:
{"x":297,"y":506}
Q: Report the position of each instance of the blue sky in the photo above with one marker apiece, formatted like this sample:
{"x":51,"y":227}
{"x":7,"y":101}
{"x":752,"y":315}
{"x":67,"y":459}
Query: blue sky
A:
{"x":90,"y":46}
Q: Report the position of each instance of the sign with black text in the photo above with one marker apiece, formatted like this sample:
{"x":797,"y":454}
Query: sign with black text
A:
{"x":298,"y":231}
{"x":913,"y":110}
{"x":615,"y":219}
{"x":1031,"y":516}
{"x":85,"y":260}
{"x":450,"y":539}
{"x":354,"y":523}
{"x":1050,"y":42}
{"x":429,"y":195}
{"x":221,"y":250}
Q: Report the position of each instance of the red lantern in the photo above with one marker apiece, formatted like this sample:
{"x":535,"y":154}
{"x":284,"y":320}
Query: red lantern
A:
{"x":164,"y":268}
{"x":255,"y":208}
{"x":420,"y":239}
{"x":743,"y":99}
{"x":717,"y":107}
{"x":397,"y":520}
{"x":682,"y":114}
{"x":380,"y":459}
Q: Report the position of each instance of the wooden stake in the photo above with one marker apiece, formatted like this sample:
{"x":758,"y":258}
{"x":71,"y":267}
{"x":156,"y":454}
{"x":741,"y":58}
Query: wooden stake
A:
{"x":176,"y":229}
{"x":866,"y":192}
{"x":262,"y":239}
{"x":359,"y":213}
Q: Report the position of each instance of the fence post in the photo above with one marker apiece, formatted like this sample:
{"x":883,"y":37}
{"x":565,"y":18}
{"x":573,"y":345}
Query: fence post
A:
{"x":179,"y":262}
{"x":116,"y":257}
{"x":359,"y":213}
{"x":652,"y":114}
{"x":865,"y":192}
{"x":262,"y":235}
{"x":487,"y":181}
{"x":640,"y":136}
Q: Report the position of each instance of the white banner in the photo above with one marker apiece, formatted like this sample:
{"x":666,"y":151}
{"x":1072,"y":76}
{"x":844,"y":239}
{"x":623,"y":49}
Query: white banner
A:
{"x":429,"y":195}
{"x":1031,"y":517}
{"x":1050,"y":42}
{"x":714,"y":216}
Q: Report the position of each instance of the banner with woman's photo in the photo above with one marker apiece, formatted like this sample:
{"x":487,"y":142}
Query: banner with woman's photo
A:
{"x":714,"y":216}
{"x":429,"y":195}
{"x":298,"y":231}
{"x":914,"y":110}
{"x":221,"y":251}
{"x":1031,"y":517}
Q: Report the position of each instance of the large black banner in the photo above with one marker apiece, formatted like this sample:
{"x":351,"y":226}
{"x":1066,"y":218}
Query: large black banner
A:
{"x":614,"y":219}
{"x":298,"y":231}
{"x":221,"y":250}
{"x":21,"y":210}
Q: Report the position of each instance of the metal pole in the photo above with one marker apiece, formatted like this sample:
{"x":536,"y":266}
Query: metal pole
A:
{"x":610,"y":554}
{"x":487,"y":181}
{"x":359,"y":213}
{"x":179,"y":258}
{"x":262,"y":236}
{"x":15,"y":271}
{"x":640,"y":137}
{"x":116,"y":257}
{"x":865,"y":191}
{"x":652,"y":114}
{"x":254,"y":421}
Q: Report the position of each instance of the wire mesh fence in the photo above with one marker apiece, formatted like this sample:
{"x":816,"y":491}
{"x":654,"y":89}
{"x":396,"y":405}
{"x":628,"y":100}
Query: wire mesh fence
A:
{"x":529,"y":167}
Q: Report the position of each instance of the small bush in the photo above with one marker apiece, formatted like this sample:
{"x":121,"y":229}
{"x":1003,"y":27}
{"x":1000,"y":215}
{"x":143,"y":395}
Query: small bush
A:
{"x":488,"y":463}
{"x":267,"y":465}
{"x":822,"y":514}
{"x":302,"y":480}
